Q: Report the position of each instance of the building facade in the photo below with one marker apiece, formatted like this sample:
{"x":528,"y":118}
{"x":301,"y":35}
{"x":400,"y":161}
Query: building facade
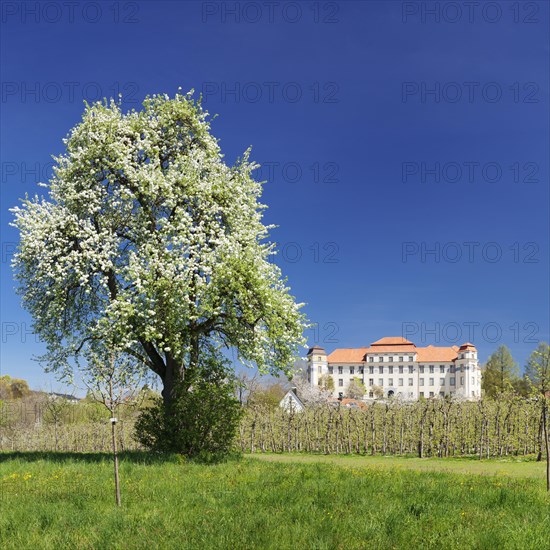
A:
{"x":396,"y":367}
{"x":291,"y":402}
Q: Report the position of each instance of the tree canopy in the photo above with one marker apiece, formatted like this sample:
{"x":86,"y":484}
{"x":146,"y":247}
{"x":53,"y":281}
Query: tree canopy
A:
{"x":150,"y":244}
{"x":356,"y":389}
{"x":537,"y":370}
{"x":499,"y":373}
{"x":13,"y":388}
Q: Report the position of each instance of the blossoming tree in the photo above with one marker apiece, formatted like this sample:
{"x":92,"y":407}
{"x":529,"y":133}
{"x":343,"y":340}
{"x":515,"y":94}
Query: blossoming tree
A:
{"x":150,"y":240}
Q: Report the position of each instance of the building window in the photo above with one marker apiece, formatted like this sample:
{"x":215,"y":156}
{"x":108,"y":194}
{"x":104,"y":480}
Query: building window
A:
{"x":421,"y":382}
{"x":442,"y":369}
{"x":442,"y":381}
{"x":411,"y":382}
{"x":361,"y":370}
{"x":381,"y":359}
{"x":351,"y":370}
{"x":371,"y":394}
{"x":401,"y":359}
{"x":340,"y":370}
{"x":431,"y":369}
{"x":431,"y":382}
{"x":401,"y":381}
{"x":340,"y":382}
{"x":371,"y":359}
{"x":330,"y":370}
{"x":421,"y":394}
{"x":453,"y":369}
{"x":411,"y":369}
{"x":421,"y":369}
{"x":400,"y":369}
{"x":381,"y":370}
{"x":371,"y":381}
{"x":371,"y":370}
{"x":319,"y":369}
{"x":390,"y":370}
{"x":442,"y":394}
{"x":390,"y":382}
{"x":410,"y":358}
{"x":462,"y":380}
{"x":431,"y":394}
{"x":452,"y":381}
{"x":380,"y":382}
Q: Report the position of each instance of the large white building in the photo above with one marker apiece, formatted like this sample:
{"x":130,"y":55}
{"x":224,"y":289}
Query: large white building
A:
{"x":394,"y":366}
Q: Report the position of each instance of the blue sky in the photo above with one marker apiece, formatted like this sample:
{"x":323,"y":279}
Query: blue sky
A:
{"x":406,"y":149}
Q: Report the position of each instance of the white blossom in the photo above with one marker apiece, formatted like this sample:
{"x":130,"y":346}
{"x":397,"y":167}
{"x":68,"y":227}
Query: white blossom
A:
{"x":147,"y":239}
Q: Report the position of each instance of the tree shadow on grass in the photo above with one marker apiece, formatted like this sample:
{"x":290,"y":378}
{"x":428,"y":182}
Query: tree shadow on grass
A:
{"x":136,"y":457}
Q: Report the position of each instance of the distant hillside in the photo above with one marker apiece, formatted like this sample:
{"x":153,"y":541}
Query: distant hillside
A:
{"x":17,"y":388}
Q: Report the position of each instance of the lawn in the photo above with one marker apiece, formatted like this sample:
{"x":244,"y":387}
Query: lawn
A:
{"x":277,"y":502}
{"x":508,"y":467}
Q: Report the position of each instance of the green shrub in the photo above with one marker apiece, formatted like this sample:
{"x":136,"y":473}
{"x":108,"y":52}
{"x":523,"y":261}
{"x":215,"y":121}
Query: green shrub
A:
{"x":201,"y":421}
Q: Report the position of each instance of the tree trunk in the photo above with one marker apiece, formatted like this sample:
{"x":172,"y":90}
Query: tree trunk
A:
{"x":421,"y":434}
{"x":546,"y":444}
{"x":541,"y":430}
{"x":115,"y":457}
{"x":170,"y":380}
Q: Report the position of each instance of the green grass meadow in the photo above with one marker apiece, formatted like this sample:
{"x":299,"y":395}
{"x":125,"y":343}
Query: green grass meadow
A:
{"x":50,"y":500}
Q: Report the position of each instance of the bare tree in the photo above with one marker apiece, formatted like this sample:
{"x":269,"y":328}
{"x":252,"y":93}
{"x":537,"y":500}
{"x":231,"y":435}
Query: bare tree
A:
{"x":246,"y":386}
{"x":56,"y":410}
{"x":112,"y":382}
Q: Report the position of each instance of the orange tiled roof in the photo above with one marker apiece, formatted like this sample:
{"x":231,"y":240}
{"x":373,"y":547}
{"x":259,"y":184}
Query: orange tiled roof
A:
{"x":392,"y":341}
{"x":347,"y":355}
{"x":409,"y":348}
{"x":397,"y":344}
{"x":347,"y":402}
{"x":468,"y":345}
{"x":432,"y":353}
{"x":357,"y":355}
